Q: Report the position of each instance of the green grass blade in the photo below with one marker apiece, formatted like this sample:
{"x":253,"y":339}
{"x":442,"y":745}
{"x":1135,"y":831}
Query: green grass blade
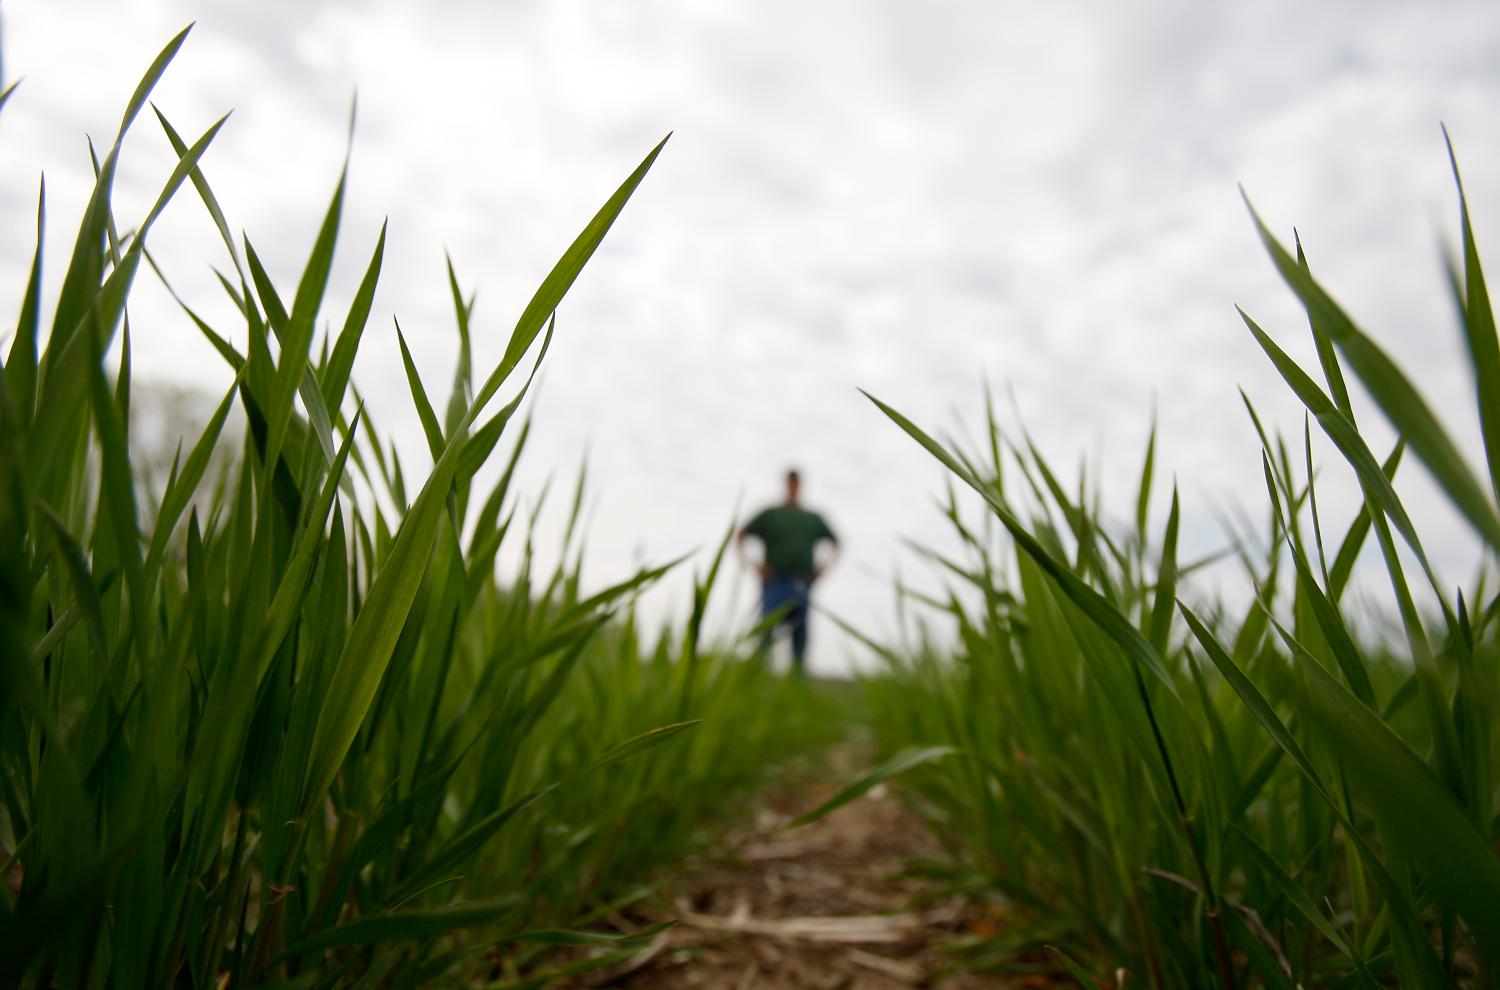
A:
{"x":117,"y":493}
{"x":1094,"y":605}
{"x":1346,"y":438}
{"x":1143,"y":491}
{"x":85,"y":304}
{"x":373,"y":636}
{"x":1416,"y":949}
{"x":1479,"y":332}
{"x":176,"y":498}
{"x":367,"y":650}
{"x":314,"y":282}
{"x":1166,"y":584}
{"x":561,"y":278}
{"x":406,"y":925}
{"x":187,"y":164}
{"x":305,"y":305}
{"x":21,"y":365}
{"x":265,"y":291}
{"x":463,"y":371}
{"x":84,"y":270}
{"x":336,"y":375}
{"x":466,"y":844}
{"x":148,"y":82}
{"x":200,"y":183}
{"x":1085,"y":980}
{"x":226,"y":350}
{"x":430,"y":426}
{"x":558,"y":936}
{"x":1416,"y":811}
{"x":1293,"y":892}
{"x":621,"y":752}
{"x":1335,"y":633}
{"x":907,"y":759}
{"x":1327,"y":356}
{"x":1359,"y":529}
{"x":1312,"y":496}
{"x":85,"y":590}
{"x":1395,"y":395}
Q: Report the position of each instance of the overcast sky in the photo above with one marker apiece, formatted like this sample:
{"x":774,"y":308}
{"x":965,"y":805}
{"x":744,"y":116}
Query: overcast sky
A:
{"x":904,"y":197}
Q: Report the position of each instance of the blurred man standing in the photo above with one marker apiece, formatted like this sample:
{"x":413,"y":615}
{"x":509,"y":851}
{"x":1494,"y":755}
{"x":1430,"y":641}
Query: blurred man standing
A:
{"x":789,"y":535}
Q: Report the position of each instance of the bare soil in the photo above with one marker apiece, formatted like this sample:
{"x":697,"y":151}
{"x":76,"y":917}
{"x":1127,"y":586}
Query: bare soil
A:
{"x":830,"y":906}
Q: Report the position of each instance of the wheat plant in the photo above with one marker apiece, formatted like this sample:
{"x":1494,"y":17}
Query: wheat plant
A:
{"x":279,"y":721}
{"x":1217,"y":795}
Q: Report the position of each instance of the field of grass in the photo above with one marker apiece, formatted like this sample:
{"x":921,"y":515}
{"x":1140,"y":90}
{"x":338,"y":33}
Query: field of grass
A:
{"x":279,"y":718}
{"x":1211,"y":794}
{"x":277,"y":721}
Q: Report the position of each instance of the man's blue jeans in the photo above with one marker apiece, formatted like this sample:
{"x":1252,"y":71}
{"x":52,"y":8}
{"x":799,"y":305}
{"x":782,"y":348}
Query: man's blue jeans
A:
{"x":783,"y":602}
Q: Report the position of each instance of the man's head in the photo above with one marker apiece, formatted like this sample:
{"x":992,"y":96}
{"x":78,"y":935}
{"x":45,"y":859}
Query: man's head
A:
{"x":793,"y":486}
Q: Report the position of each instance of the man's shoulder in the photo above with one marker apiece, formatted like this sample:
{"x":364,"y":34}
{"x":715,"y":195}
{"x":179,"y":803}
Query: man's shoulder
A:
{"x":793,"y":514}
{"x":816,"y":519}
{"x":762,"y":517}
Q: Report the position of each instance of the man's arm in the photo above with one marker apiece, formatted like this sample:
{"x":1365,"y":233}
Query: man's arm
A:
{"x":831,"y":556}
{"x":758,"y":566}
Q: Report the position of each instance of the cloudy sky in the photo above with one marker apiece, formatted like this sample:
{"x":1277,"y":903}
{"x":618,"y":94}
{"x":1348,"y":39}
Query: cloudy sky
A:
{"x":908,"y":198}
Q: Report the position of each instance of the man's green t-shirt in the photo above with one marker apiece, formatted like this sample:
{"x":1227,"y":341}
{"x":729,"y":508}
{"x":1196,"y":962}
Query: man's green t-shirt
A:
{"x":789,"y":534}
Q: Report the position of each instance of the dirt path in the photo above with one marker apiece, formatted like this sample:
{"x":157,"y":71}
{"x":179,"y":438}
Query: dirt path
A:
{"x":830,"y":905}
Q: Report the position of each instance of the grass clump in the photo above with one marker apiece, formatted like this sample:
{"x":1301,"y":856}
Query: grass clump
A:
{"x":1214,"y":796}
{"x":282,"y":725}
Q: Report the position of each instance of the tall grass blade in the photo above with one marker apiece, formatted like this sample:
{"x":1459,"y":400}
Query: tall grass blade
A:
{"x":1393,"y":392}
{"x":1479,"y":331}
